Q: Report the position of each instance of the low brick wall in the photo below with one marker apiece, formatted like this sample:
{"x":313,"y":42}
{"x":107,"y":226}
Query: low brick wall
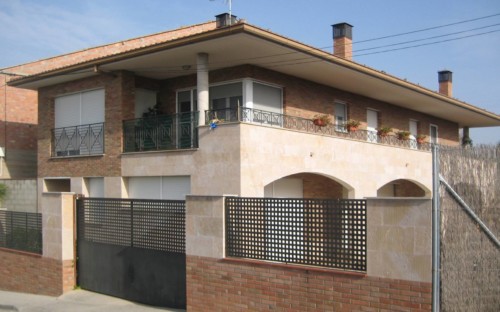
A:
{"x":224,"y":285}
{"x":30,"y":273}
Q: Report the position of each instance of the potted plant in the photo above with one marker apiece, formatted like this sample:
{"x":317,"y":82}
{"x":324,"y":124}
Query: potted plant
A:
{"x":403,"y":135}
{"x":321,"y":120}
{"x":421,"y":138}
{"x":352,"y":125}
{"x":384,"y":131}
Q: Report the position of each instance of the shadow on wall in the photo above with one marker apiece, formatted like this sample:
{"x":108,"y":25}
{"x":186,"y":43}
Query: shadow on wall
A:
{"x":403,"y":188}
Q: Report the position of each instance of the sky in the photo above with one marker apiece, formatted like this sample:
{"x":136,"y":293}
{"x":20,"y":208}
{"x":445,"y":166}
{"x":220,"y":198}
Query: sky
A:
{"x":469,"y":46}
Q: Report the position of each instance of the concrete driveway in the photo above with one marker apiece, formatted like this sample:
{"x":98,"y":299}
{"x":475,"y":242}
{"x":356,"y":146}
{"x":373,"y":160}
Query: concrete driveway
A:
{"x":75,"y":301}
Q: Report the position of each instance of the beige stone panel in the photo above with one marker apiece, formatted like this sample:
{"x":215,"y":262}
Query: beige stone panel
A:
{"x":399,"y":239}
{"x":213,"y":167}
{"x":205,"y":226}
{"x":211,"y":227}
{"x":78,"y":186}
{"x":114,"y":187}
{"x":365,"y":167}
{"x":423,"y":240}
{"x":58,"y":225}
{"x":242,"y":158}
{"x":201,"y":246}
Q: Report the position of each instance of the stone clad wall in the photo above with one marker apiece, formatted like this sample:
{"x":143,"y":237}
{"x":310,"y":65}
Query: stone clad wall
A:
{"x":399,"y":238}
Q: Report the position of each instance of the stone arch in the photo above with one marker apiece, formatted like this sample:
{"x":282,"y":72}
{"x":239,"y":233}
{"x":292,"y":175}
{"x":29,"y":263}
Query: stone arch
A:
{"x":313,"y":185}
{"x":403,"y":188}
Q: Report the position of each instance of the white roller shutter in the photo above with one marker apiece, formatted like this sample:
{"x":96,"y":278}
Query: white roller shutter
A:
{"x":173,"y":188}
{"x":79,"y":109}
{"x":67,"y":111}
{"x":144,"y":187}
{"x":267,"y":98}
{"x":176,"y":187}
{"x":92,"y":107}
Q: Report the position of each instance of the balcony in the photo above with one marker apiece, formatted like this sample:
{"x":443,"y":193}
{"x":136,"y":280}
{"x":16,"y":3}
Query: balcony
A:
{"x":271,"y":119}
{"x":83,"y":140}
{"x":160,"y":133}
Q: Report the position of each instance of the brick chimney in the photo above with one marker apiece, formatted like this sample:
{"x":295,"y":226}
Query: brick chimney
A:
{"x":445,"y":82}
{"x":342,"y":40}
{"x":224,"y":20}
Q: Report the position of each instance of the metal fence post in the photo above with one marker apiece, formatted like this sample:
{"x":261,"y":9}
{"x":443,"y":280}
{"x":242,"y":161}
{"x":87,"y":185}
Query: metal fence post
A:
{"x":436,"y":231}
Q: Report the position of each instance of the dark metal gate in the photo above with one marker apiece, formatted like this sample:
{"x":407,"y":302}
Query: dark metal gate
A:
{"x":133,"y":249}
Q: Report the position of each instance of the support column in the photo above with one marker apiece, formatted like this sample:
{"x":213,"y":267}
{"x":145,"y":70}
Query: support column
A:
{"x":202,"y":86}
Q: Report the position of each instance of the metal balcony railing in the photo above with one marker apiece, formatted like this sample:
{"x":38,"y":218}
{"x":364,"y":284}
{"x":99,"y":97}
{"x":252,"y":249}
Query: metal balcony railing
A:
{"x":271,"y":119}
{"x":78,"y":140}
{"x":162,"y":132}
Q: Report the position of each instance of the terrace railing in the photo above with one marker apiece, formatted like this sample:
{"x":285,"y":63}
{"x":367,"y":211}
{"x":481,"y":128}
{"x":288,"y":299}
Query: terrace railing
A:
{"x":78,"y":140}
{"x":272,"y":119}
{"x":162,"y":132}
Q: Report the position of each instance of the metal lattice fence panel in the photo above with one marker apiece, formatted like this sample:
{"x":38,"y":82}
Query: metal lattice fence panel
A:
{"x":142,"y":223}
{"x":21,"y":231}
{"x":470,"y":261}
{"x":317,"y":232}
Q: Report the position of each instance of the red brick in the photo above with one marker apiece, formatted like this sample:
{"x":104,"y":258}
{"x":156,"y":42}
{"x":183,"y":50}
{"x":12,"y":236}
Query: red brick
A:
{"x":309,"y":291}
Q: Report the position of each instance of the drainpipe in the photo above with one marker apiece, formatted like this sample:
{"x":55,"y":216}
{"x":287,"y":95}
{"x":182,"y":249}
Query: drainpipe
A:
{"x":436,"y":231}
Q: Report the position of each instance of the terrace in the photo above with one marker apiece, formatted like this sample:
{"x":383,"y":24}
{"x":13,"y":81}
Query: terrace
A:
{"x":174,"y":132}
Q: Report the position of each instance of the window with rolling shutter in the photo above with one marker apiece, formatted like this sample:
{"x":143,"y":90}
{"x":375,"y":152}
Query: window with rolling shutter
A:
{"x":78,"y":125}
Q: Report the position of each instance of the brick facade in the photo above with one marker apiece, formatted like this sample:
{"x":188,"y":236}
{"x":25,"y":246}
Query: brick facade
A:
{"x":119,"y":99}
{"x":215,"y":285}
{"x":18,"y":127}
{"x":306,"y":99}
{"x":30,"y":273}
{"x":300,"y":98}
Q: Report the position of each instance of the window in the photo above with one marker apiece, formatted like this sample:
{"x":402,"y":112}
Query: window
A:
{"x":434,"y":134}
{"x":187,"y":101}
{"x":372,"y":120}
{"x":79,"y":109}
{"x":172,"y":187}
{"x":340,"y":116}
{"x":225,"y":99}
{"x":57,"y":185}
{"x":144,"y":100}
{"x":267,"y":102}
{"x":79,"y":119}
{"x":413,"y":133}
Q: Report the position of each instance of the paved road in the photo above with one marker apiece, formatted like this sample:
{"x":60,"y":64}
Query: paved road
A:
{"x":74,"y":301}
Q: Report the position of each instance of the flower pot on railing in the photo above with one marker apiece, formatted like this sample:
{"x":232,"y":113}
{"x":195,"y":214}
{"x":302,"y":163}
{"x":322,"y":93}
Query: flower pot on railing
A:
{"x":352,"y":125}
{"x":384,"y":131}
{"x":321,"y":120}
{"x":421,"y":138}
{"x":403,"y":135}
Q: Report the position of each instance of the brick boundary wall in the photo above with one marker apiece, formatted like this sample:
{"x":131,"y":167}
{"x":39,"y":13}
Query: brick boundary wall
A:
{"x":31,"y":273}
{"x":225,"y":285}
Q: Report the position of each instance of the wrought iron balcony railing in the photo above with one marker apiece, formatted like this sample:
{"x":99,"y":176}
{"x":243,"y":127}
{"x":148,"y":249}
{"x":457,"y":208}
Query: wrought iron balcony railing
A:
{"x":162,"y":132}
{"x":255,"y":116}
{"x":78,"y":140}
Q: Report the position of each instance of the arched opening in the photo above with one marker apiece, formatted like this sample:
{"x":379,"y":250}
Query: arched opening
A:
{"x":402,"y":188}
{"x":307,"y":185}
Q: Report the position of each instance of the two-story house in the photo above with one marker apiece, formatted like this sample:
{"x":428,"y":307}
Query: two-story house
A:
{"x":218,"y":109}
{"x":228,"y":108}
